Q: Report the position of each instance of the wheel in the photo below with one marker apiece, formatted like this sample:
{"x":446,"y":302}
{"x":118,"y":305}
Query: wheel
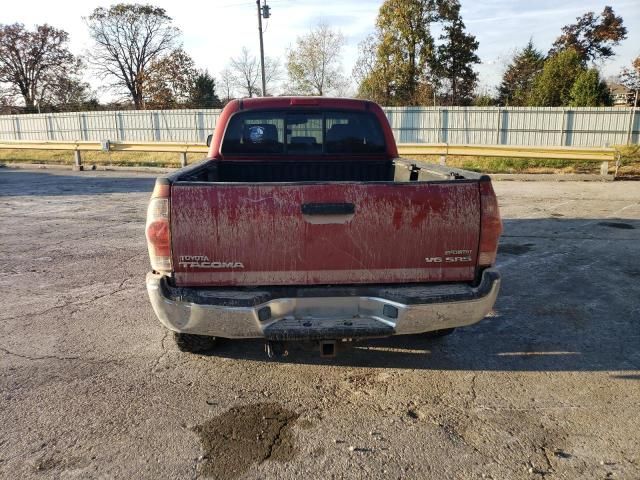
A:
{"x":188,"y":342}
{"x":439,"y":333}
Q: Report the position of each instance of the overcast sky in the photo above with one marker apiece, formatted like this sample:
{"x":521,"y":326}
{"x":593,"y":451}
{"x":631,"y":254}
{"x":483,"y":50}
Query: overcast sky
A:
{"x":215,"y":30}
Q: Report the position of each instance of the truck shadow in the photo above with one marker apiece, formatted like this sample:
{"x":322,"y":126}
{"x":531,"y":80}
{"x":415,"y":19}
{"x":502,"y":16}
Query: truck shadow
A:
{"x":569,"y":302}
{"x":45,"y":183}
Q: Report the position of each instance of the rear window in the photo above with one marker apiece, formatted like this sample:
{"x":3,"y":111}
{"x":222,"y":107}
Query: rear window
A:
{"x":293,"y":133}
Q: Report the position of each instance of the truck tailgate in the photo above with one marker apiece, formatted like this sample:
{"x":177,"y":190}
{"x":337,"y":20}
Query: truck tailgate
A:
{"x":324,"y":233}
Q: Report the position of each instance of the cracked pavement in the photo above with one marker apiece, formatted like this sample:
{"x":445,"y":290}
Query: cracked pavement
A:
{"x":91,"y":386}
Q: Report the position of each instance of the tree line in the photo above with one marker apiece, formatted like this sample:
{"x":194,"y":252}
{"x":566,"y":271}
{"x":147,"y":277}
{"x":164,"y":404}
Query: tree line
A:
{"x":137,"y":53}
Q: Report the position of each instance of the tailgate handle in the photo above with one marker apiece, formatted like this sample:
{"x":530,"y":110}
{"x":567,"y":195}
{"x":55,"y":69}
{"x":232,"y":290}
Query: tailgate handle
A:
{"x":328,"y":208}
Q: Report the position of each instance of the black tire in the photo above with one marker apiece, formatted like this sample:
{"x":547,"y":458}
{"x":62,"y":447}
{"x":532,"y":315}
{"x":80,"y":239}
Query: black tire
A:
{"x":190,"y":343}
{"x":439,"y":333}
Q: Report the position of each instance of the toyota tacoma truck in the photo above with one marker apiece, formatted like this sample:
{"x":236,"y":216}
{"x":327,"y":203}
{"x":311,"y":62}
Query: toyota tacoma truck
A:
{"x":303,"y":223}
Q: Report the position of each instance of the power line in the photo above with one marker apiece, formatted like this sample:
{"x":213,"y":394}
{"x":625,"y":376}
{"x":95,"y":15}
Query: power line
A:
{"x":235,"y":4}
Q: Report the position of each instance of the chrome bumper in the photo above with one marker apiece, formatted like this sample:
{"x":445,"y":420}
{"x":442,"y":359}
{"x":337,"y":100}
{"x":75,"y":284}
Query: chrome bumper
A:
{"x":388,"y":311}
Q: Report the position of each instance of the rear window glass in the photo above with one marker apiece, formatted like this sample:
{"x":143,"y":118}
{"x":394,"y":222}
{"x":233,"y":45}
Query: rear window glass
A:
{"x":293,"y":133}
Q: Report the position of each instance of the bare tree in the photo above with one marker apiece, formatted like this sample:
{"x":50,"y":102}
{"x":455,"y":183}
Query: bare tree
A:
{"x":227,"y":85}
{"x":128,"y":38}
{"x":366,"y":61}
{"x":244,"y":71}
{"x":34,"y":63}
{"x":272,"y":74}
{"x":313,"y":65}
{"x":630,"y":78}
{"x":71,"y":94}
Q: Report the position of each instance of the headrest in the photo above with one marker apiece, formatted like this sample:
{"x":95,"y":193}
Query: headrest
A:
{"x":344,"y":131}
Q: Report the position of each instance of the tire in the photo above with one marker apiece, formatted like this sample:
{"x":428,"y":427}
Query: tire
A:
{"x":439,"y":333}
{"x":190,"y":343}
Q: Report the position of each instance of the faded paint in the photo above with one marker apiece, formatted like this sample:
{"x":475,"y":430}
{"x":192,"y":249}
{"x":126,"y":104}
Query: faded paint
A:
{"x":394,"y":229}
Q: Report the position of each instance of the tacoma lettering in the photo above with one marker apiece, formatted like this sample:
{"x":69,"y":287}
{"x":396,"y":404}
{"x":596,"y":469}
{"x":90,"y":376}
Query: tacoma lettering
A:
{"x":202,"y":261}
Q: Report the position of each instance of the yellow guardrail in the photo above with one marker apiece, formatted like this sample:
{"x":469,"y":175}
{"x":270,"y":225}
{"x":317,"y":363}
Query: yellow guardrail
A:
{"x":513,"y":151}
{"x":443,"y":149}
{"x":111,"y":146}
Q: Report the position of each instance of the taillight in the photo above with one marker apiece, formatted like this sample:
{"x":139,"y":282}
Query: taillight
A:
{"x":158,"y":229}
{"x":490,"y":224}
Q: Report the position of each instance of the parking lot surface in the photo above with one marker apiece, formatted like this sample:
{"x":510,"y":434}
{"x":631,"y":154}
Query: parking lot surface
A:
{"x":91,"y":386}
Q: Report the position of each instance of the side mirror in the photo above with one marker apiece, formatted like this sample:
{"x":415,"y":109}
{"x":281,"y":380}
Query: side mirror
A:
{"x":209,"y":137}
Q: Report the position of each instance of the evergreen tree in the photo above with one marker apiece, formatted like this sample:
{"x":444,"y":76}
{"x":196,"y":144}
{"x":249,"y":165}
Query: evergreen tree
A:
{"x":203,"y":92}
{"x":589,"y":90}
{"x":484,"y":100}
{"x":454,"y":62}
{"x":552,"y":86}
{"x":518,"y":78}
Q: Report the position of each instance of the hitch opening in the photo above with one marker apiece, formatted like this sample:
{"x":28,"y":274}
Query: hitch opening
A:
{"x":276,"y":349}
{"x":328,"y":348}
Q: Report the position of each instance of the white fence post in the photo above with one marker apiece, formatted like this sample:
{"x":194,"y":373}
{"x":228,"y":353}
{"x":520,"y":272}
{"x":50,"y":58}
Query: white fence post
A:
{"x":116,"y":124}
{"x":632,"y":115}
{"x":49,"y":122}
{"x":79,"y":118}
{"x":16,"y":128}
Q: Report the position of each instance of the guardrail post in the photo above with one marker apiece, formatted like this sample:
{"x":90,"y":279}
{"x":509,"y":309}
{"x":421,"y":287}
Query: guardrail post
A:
{"x":183,"y":159}
{"x":618,"y":164}
{"x":77,"y":160}
{"x":604,"y":168}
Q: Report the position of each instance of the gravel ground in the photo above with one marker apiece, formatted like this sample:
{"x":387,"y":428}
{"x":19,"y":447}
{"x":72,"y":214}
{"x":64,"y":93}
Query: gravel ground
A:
{"x":93,"y":387}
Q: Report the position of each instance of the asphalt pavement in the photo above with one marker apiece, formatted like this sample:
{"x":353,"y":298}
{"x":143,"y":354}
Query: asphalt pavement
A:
{"x":91,"y":385}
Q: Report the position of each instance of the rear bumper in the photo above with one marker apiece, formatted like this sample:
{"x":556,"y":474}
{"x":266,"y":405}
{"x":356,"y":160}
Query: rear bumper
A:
{"x":303,"y":313}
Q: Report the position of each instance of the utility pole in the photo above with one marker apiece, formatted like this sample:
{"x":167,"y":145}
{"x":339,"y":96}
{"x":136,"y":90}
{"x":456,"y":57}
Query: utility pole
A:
{"x":263,"y":12}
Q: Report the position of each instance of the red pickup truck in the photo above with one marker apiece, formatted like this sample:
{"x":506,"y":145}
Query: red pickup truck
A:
{"x":304,"y":224}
